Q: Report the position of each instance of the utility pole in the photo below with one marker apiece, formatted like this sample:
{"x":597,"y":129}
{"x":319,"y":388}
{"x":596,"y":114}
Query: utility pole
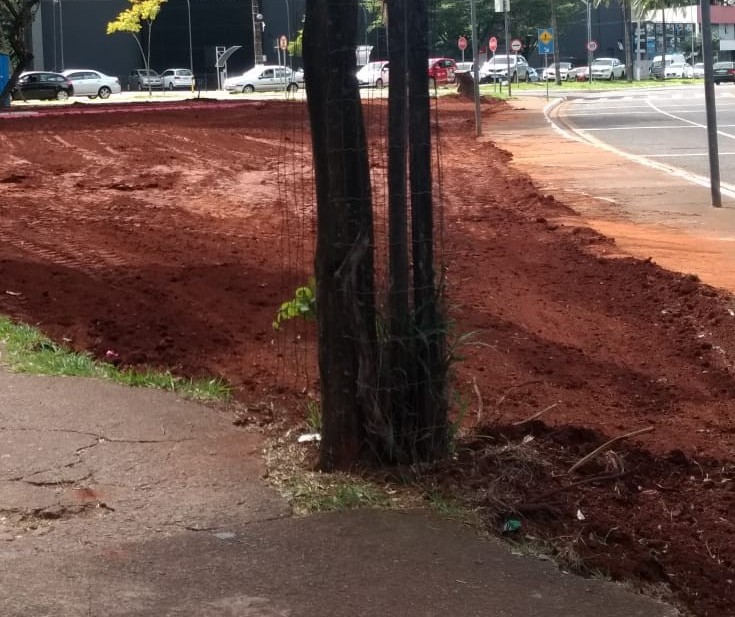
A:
{"x":257,"y":33}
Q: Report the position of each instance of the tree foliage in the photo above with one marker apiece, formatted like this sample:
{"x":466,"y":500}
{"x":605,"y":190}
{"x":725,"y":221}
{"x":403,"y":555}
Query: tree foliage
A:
{"x":16,"y":17}
{"x":140,"y":13}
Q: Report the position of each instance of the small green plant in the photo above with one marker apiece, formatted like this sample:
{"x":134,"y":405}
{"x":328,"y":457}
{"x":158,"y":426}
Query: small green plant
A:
{"x":29,"y":351}
{"x":303,"y":305}
{"x":314,"y":416}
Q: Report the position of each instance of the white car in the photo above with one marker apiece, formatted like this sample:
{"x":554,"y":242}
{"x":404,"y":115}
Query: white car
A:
{"x":698,"y":70}
{"x":374,"y":74}
{"x":608,"y":68}
{"x":92,"y":83}
{"x":177,"y":78}
{"x":496,"y":69}
{"x":549,"y":73}
{"x":264,"y":77}
{"x":679,"y":70}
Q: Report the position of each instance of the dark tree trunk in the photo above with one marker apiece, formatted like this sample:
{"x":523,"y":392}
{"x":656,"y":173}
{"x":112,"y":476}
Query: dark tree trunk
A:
{"x":344,"y":254}
{"x":15,"y":19}
{"x":663,"y":52}
{"x":555,"y":30}
{"x":399,"y":319}
{"x":625,"y":8}
{"x":429,"y":440}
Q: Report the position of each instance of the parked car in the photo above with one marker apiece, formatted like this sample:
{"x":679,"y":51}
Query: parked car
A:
{"x":464,"y":67}
{"x":92,"y":83}
{"x":679,"y":70}
{"x":659,"y":64}
{"x":723,"y":71}
{"x":177,"y":78}
{"x":698,"y":70}
{"x":608,"y":68}
{"x":263,"y":77}
{"x":549,"y":73}
{"x":36,"y":85}
{"x":442,"y":71}
{"x":496,"y":69}
{"x":579,"y":73}
{"x":532,"y":74}
{"x":143,"y":79}
{"x":374,"y":74}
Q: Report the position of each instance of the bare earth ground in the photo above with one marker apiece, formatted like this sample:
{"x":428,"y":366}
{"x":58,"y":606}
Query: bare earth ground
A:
{"x":170,"y":237}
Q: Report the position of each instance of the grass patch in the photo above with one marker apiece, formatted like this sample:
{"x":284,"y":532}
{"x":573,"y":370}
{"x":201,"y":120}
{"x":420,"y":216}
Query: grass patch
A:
{"x":28,"y":350}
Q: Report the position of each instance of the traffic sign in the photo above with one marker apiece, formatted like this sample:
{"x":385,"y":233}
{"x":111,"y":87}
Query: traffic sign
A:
{"x":516,"y":45}
{"x":592,"y":46}
{"x":545,"y":41}
{"x":493,"y":44}
{"x":462,"y":43}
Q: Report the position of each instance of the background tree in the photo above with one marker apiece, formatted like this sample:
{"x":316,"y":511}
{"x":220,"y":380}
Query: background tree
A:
{"x":16,"y":17}
{"x":132,"y":19}
{"x":626,"y":9}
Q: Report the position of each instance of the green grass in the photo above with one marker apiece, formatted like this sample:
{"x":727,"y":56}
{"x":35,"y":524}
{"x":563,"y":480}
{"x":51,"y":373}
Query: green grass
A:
{"x":583,"y":86}
{"x":27,"y":350}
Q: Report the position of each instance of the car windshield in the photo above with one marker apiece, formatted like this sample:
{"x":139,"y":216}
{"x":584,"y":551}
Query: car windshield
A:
{"x":603,"y":62}
{"x":148,"y":73}
{"x":723,"y":65}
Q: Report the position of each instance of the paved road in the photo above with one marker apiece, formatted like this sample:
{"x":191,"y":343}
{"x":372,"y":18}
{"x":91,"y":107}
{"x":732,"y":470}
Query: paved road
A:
{"x":665,"y":127}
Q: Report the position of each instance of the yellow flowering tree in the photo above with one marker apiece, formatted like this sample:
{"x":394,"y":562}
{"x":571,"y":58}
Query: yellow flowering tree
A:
{"x":132,"y":19}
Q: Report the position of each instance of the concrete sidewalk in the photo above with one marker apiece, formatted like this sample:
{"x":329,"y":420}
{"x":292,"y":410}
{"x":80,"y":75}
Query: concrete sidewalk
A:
{"x":129,"y":502}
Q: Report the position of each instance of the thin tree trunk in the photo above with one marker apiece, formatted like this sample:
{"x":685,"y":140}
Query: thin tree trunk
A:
{"x":555,"y":30}
{"x":430,"y":439}
{"x":398,"y":366}
{"x":21,"y":19}
{"x":663,"y":28}
{"x":625,"y":7}
{"x":344,"y":254}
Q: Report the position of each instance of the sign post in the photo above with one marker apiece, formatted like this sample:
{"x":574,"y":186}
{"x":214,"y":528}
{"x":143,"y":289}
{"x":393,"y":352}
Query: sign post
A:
{"x":546,"y":47}
{"x":591,"y":48}
{"x":516,"y":45}
{"x":462,"y":44}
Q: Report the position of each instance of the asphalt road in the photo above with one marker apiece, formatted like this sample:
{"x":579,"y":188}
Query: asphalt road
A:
{"x":662,"y":127}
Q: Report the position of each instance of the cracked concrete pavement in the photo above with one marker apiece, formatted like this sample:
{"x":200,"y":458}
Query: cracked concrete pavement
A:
{"x":130,"y":502}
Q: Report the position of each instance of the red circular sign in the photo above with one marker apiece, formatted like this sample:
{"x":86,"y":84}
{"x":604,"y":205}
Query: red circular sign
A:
{"x":516,"y":45}
{"x":493,"y":44}
{"x":591,"y":45}
{"x":462,"y":43}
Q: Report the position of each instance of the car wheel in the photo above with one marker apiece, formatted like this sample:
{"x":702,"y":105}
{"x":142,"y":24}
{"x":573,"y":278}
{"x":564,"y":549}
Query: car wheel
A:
{"x":292,"y":88}
{"x":378,"y":83}
{"x":104,"y":92}
{"x":248,"y":89}
{"x":170,"y":85}
{"x":717,"y":83}
{"x":62,"y":95}
{"x":612,"y":76}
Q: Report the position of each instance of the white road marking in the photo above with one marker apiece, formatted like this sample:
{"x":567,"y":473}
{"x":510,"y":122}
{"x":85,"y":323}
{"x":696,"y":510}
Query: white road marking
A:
{"x":582,"y":136}
{"x":699,"y":124}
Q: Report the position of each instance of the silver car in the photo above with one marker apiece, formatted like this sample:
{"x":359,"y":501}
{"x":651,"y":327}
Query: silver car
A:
{"x":92,"y":83}
{"x":264,"y":77}
{"x":177,"y":78}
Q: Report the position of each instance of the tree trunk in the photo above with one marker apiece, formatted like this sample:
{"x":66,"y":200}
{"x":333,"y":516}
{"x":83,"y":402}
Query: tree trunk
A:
{"x":625,"y":8}
{"x":344,"y":254}
{"x":663,"y":31}
{"x":429,"y":438}
{"x":20,"y":19}
{"x":399,"y":318}
{"x":555,"y":30}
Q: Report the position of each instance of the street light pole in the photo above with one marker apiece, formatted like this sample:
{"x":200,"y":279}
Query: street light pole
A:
{"x":191,"y":53}
{"x":588,"y":3}
{"x":288,"y":35}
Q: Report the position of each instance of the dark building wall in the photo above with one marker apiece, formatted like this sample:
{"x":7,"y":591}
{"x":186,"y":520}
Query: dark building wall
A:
{"x":74,"y":35}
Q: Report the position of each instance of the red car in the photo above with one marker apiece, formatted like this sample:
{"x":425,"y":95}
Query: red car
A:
{"x":442,"y":71}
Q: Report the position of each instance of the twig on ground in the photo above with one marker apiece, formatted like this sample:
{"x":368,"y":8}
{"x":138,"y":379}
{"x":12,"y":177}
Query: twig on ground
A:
{"x":606,"y":445}
{"x":538,"y":414}
{"x":539,"y":501}
{"x":480,"y":406}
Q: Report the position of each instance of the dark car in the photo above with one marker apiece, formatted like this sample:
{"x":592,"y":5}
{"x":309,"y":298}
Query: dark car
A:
{"x":723,"y":71}
{"x":42,"y":85}
{"x":442,"y":71}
